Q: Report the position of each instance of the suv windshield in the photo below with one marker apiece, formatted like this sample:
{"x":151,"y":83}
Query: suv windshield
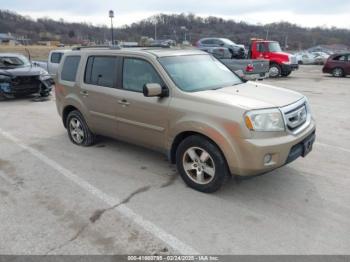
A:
{"x":198,"y":72}
{"x":275,"y":47}
{"x":13,"y":61}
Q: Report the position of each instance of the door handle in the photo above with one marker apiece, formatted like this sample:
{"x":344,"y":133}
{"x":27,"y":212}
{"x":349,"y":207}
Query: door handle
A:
{"x":123,"y":102}
{"x":84,"y":93}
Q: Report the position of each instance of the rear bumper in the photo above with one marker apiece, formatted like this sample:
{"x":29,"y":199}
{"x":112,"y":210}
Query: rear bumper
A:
{"x":255,"y":76}
{"x":283,"y":150}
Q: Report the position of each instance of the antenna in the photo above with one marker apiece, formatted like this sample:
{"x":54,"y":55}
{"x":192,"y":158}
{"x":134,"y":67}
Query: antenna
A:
{"x":29,"y":56}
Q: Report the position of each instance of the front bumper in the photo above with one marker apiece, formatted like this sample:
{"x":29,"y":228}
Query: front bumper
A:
{"x":30,"y":86}
{"x":283,"y":150}
{"x":289,"y":68}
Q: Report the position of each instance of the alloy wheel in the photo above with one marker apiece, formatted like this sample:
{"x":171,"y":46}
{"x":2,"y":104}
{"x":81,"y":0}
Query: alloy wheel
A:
{"x":199,"y":165}
{"x":76,"y":130}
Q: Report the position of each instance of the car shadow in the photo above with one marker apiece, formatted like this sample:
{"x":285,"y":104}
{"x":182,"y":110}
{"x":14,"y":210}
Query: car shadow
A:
{"x":32,"y":98}
{"x":282,"y":185}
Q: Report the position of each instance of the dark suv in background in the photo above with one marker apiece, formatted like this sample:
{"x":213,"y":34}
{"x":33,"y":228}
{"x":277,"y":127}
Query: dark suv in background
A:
{"x":230,"y":49}
{"x":338,"y":65}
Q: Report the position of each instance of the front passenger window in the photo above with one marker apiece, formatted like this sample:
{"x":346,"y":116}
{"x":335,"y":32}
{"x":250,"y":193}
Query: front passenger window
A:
{"x":137,"y":73}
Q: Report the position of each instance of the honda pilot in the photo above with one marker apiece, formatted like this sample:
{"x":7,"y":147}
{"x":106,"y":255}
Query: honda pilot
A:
{"x":187,"y":105}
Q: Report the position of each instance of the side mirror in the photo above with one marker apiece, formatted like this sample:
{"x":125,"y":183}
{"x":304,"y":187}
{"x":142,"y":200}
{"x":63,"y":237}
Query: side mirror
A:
{"x":154,"y":89}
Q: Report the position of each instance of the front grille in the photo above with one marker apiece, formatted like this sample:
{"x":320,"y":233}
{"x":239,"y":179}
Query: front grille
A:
{"x":23,"y":80}
{"x":294,"y":60}
{"x":297,"y":116}
{"x":25,"y":84}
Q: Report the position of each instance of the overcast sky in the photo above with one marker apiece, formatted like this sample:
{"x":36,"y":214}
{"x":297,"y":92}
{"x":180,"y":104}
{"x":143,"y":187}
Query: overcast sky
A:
{"x":307,"y":13}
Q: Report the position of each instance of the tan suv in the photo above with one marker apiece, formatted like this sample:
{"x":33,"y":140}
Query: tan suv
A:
{"x":187,"y":105}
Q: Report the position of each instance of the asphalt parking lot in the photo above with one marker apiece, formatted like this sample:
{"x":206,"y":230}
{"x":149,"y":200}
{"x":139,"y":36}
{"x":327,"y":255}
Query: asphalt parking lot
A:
{"x":115,"y":198}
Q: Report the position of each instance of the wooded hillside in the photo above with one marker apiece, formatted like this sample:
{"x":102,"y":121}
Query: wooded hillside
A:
{"x":169,"y":26}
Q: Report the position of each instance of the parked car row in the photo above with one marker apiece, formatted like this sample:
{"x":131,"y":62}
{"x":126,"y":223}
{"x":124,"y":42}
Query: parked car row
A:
{"x":19,"y":76}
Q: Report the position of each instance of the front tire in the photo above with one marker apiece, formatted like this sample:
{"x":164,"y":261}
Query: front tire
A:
{"x":285,"y":74}
{"x":44,"y":94}
{"x":275,"y":71}
{"x":201,"y":164}
{"x":78,"y":131}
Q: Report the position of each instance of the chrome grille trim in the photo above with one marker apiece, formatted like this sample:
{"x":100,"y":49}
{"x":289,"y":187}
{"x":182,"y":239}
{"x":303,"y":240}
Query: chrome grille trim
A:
{"x":297,"y":116}
{"x":293,"y":60}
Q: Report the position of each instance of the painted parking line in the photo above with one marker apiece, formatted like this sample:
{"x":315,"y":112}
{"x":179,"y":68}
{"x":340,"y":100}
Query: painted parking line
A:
{"x":173,"y":242}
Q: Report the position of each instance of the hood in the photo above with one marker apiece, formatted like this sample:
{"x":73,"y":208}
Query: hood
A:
{"x":252,"y":95}
{"x":24,"y":71}
{"x":282,"y":55}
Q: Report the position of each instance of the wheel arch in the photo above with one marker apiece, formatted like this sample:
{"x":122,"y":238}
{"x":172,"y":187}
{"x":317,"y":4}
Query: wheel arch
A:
{"x":66,"y":112}
{"x":185,"y":134}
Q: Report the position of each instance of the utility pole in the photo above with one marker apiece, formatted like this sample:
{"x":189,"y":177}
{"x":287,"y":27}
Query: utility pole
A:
{"x":111,"y":16}
{"x":286,"y":42}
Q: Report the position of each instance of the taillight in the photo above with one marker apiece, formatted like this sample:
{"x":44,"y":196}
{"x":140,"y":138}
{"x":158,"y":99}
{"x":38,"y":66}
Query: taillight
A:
{"x":249,"y":68}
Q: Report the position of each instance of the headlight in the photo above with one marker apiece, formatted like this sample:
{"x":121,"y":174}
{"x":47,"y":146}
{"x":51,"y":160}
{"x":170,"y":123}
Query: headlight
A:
{"x":44,"y":77}
{"x":4,"y":78}
{"x":265,"y":120}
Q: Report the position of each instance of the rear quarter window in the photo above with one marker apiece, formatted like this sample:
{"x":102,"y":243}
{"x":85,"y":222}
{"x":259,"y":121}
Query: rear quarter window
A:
{"x":70,"y":68}
{"x":208,"y":42}
{"x":101,"y":71}
{"x":56,"y":58}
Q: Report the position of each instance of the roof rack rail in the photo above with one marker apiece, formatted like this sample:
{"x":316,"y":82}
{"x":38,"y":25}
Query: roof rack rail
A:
{"x":77,"y":48}
{"x":146,"y":46}
{"x":118,"y":47}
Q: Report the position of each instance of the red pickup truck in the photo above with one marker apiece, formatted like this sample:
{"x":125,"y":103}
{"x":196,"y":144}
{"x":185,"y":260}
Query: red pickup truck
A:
{"x":281,"y":63}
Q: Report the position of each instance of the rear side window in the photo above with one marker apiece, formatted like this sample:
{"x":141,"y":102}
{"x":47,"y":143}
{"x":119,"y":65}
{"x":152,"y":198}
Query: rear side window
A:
{"x":137,"y":73}
{"x":101,"y":71}
{"x":70,"y":68}
{"x":340,"y":58}
{"x":261,"y":47}
{"x":208,"y":42}
{"x":56,"y":58}
{"x":218,"y":42}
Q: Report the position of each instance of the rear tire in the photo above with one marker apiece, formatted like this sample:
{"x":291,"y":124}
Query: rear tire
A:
{"x":78,"y":131}
{"x":201,"y":164}
{"x":338,"y":72}
{"x":275,"y":71}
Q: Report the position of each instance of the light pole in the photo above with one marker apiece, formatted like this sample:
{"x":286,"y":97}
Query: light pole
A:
{"x":184,"y":28}
{"x":267,"y":34}
{"x":111,"y":16}
{"x":155,"y":30}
